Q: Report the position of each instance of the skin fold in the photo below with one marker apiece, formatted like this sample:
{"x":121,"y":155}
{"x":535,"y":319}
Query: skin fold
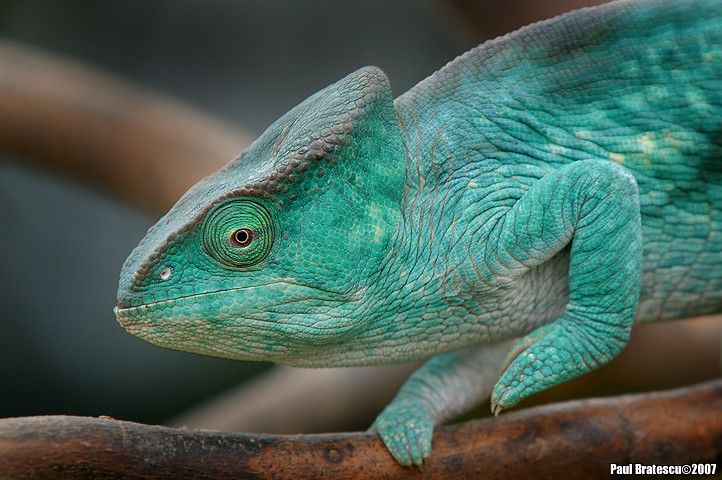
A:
{"x":523,"y":206}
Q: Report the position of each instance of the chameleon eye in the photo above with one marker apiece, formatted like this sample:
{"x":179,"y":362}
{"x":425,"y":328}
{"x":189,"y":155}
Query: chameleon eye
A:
{"x":242,"y":237}
{"x":238,"y":232}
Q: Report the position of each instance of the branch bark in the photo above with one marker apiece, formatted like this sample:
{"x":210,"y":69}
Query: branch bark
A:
{"x":571,"y":440}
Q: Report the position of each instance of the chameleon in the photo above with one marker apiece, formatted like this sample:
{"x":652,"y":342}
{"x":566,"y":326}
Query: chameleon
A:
{"x":522,"y":207}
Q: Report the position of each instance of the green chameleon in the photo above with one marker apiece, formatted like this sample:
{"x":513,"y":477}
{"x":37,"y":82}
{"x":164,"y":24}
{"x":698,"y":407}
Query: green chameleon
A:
{"x":522,"y":206}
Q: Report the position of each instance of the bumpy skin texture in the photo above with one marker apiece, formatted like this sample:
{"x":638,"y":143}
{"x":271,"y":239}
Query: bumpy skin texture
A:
{"x":553,"y":186}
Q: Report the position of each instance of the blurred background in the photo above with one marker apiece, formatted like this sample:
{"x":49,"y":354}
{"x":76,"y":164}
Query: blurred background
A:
{"x":67,"y":223}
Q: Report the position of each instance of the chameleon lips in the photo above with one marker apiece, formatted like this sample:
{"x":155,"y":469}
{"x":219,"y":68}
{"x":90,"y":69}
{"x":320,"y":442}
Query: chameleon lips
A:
{"x":131,"y":317}
{"x":126,"y":314}
{"x":246,"y":324}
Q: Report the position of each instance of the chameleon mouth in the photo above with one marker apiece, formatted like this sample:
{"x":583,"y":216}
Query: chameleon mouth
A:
{"x":135,"y":318}
{"x":125,"y":310}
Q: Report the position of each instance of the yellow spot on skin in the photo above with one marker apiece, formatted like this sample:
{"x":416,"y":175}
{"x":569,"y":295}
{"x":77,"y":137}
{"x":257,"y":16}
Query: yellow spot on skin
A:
{"x":471,"y":184}
{"x":646,"y":141}
{"x":617,"y":158}
{"x":675,"y":141}
{"x":556,"y":149}
{"x":582,"y":134}
{"x":375,"y":213}
{"x":378,"y":233}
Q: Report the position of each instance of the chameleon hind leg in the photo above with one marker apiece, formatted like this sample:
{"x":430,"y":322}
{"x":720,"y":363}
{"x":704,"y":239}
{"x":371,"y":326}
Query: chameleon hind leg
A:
{"x":594,"y":205}
{"x":445,"y":386}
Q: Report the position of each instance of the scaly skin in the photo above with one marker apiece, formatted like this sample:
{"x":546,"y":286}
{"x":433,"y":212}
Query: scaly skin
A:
{"x":550,"y":186}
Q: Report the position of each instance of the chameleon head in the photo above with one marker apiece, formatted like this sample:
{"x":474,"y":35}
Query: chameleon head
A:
{"x":272,"y":257}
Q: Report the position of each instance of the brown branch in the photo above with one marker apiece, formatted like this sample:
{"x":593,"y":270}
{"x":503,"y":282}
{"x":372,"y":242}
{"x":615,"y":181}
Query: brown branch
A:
{"x":139,"y":145}
{"x":571,"y":440}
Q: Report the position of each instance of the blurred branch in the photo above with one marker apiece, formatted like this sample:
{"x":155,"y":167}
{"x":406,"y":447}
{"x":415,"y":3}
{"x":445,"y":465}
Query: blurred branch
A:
{"x":292,"y":400}
{"x":288,"y":400}
{"x":571,"y":440}
{"x":139,"y":145}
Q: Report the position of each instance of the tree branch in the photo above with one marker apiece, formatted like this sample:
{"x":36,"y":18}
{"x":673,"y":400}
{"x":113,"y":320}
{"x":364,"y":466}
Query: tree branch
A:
{"x":570,"y":440}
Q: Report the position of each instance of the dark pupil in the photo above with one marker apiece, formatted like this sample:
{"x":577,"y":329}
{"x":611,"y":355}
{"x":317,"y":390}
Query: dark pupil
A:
{"x":242,"y":237}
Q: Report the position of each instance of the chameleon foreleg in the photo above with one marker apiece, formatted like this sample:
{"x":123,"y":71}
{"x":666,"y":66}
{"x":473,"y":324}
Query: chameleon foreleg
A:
{"x":445,"y":386}
{"x":594,"y":205}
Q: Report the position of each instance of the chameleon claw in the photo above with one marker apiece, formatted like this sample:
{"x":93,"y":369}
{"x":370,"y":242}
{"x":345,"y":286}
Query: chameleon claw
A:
{"x":495,"y":408}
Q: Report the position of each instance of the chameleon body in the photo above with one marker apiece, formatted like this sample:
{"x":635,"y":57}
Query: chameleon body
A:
{"x":522,"y":206}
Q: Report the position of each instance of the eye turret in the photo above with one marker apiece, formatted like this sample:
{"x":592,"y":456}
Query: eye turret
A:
{"x":238,"y":232}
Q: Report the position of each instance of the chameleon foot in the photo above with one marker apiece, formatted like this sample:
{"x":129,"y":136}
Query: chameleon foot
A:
{"x":575,"y":344}
{"x":406,"y":430}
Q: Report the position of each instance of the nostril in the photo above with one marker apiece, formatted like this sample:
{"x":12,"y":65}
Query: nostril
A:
{"x":166,"y":273}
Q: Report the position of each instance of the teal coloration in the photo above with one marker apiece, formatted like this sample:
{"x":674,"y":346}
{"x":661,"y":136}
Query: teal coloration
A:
{"x":303,"y":188}
{"x":554,"y":186}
